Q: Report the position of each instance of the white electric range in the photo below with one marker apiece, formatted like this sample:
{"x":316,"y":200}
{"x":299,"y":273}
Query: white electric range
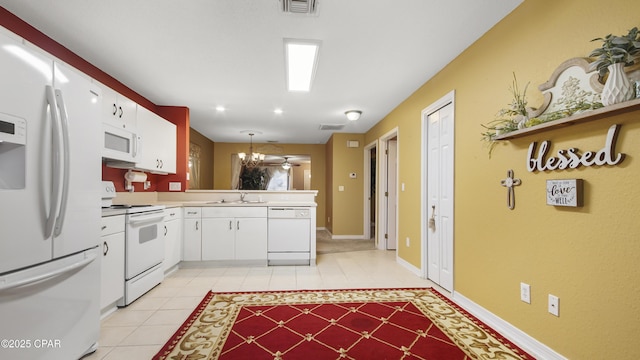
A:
{"x":144,"y":245}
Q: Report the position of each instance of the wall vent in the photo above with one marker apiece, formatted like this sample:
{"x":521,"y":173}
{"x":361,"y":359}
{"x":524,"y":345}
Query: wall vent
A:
{"x":331,"y":126}
{"x":299,"y":6}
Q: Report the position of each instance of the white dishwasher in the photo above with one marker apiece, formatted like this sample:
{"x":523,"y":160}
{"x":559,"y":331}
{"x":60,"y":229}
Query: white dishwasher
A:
{"x":289,"y":238}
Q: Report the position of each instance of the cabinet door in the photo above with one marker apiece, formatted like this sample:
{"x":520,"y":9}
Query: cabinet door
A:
{"x":251,"y":239}
{"x":191,"y":246}
{"x":112,"y":271}
{"x":218,"y":236}
{"x":158,"y":153}
{"x":118,"y":110}
{"x":172,"y":253}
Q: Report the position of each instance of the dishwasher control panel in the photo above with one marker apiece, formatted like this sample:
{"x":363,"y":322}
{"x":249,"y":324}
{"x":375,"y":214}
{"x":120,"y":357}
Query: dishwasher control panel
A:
{"x":289,"y":213}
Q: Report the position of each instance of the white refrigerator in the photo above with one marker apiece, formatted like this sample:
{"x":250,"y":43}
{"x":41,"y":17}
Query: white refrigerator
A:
{"x":50,"y":173}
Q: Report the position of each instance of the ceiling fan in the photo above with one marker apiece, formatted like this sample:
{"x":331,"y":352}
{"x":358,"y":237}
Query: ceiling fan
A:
{"x":286,"y":164}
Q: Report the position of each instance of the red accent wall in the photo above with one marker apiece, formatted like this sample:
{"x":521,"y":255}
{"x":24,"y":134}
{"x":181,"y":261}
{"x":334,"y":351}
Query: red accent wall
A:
{"x":176,"y":115}
{"x":179,"y":116}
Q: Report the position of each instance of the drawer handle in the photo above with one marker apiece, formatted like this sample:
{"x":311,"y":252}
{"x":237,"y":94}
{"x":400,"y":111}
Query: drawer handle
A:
{"x":104,"y":227}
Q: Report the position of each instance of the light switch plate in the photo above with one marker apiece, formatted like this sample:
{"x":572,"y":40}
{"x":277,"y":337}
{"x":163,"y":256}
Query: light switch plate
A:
{"x":554,"y":305}
{"x":525,"y":292}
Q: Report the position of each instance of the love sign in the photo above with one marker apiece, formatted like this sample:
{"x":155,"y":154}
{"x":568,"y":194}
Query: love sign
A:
{"x":567,"y":192}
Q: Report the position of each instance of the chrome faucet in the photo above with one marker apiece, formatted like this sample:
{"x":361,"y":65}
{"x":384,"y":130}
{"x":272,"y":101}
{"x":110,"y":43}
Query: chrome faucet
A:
{"x":242,"y":195}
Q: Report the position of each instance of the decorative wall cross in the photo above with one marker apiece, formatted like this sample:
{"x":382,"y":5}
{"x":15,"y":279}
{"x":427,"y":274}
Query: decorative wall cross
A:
{"x":509,"y":183}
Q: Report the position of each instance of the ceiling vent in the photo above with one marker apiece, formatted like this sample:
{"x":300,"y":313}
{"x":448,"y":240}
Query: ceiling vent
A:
{"x":299,"y":6}
{"x":331,"y":126}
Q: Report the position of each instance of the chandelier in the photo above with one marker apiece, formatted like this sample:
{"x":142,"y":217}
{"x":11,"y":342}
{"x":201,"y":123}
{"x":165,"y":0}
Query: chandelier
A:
{"x":251,"y":159}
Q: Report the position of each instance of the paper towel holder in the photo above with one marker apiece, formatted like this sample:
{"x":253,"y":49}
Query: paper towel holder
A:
{"x":131,"y":176}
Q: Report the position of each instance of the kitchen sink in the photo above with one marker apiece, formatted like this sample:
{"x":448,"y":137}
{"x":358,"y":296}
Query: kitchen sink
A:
{"x":237,"y":202}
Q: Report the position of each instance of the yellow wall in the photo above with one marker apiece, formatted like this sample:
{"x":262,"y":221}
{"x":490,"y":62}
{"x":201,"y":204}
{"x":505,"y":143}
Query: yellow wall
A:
{"x":586,"y":256}
{"x":329,"y":184}
{"x":222,"y":168}
{"x":348,"y":205}
{"x":206,"y":158}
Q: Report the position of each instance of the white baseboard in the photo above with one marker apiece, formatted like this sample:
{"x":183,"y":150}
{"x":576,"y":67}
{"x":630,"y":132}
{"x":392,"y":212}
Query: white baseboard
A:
{"x":515,"y":335}
{"x":347,"y":237}
{"x":409,"y":266}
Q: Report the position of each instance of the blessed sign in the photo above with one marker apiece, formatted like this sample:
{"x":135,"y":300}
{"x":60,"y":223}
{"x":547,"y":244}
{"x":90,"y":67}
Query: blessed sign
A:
{"x":572,"y":158}
{"x":566,"y":192}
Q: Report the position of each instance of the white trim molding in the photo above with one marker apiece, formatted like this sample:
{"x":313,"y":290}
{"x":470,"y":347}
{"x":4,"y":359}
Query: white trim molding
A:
{"x":517,"y":336}
{"x":416,"y":271}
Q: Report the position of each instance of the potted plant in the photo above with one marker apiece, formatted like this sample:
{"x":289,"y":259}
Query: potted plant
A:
{"x":615,"y":53}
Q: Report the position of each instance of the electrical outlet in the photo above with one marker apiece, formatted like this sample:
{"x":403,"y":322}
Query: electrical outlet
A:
{"x":554,"y":305}
{"x":525,"y":292}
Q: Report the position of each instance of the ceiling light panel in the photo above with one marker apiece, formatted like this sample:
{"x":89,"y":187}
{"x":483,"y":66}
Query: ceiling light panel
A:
{"x":301,"y":60}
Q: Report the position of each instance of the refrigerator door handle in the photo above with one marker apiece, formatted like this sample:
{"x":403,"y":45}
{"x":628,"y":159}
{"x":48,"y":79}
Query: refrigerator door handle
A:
{"x":42,"y":277}
{"x":64,"y":121}
{"x":56,"y":172}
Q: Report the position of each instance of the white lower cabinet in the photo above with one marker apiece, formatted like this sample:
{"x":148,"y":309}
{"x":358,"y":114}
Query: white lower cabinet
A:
{"x":172,"y":238}
{"x":234,"y":233}
{"x":192,"y":234}
{"x":112,"y":271}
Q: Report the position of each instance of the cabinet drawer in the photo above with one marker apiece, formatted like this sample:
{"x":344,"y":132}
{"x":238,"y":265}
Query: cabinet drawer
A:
{"x":112,"y":225}
{"x":172,"y":214}
{"x":234,"y":211}
{"x":192,"y":212}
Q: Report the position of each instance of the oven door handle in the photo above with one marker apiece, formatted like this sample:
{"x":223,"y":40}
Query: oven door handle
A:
{"x":143,"y":219}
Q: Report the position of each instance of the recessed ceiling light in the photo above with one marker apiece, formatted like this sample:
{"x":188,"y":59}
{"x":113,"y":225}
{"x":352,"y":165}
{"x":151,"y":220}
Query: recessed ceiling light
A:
{"x":278,"y":111}
{"x":301,"y":57}
{"x":220,"y":108}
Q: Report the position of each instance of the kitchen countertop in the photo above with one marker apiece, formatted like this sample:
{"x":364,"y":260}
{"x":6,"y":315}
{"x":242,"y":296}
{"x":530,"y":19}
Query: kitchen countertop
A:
{"x":173,"y":204}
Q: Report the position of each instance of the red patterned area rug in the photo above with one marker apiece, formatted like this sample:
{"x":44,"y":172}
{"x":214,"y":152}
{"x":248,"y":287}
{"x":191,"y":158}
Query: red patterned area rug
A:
{"x":335,"y":324}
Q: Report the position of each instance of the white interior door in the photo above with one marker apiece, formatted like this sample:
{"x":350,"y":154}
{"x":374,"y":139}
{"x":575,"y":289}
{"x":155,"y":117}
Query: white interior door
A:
{"x":439,"y":125}
{"x":392,"y":196}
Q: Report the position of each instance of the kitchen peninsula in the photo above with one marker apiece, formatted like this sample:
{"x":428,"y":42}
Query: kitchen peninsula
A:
{"x":229,"y":227}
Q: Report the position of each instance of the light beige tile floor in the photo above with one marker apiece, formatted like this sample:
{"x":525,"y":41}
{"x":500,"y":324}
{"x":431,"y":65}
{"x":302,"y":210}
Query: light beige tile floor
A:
{"x":138,"y":331}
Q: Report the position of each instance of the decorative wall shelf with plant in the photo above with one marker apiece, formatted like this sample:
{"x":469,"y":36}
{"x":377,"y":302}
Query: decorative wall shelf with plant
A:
{"x":573,"y":93}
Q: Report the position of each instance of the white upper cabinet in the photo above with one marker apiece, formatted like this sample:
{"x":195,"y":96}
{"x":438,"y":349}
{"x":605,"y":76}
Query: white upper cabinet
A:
{"x":158,"y":150}
{"x":118,"y":110}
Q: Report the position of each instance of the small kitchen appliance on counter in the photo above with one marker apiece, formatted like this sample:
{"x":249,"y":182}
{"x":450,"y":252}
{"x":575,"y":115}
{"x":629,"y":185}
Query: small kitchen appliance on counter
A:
{"x":144,"y":244}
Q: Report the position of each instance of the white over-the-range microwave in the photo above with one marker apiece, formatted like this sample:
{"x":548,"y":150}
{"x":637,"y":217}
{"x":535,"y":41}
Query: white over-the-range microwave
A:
{"x":121,"y":144}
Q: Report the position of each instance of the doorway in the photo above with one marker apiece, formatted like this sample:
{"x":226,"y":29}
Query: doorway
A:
{"x":370,"y":200}
{"x":387,"y":198}
{"x":438,"y":188}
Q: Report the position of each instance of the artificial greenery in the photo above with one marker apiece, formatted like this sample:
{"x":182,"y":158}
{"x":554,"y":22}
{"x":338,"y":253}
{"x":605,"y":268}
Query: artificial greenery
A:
{"x":616,"y":49}
{"x":510,"y":118}
{"x":252,"y":178}
{"x":517,"y":116}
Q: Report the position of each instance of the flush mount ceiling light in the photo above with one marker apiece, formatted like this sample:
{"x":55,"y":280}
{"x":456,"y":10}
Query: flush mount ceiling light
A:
{"x":301,"y":60}
{"x":251,"y":159}
{"x":353,"y":115}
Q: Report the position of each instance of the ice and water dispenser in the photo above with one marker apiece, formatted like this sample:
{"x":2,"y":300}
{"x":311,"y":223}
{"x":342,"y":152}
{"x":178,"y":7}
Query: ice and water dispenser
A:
{"x":13,"y":154}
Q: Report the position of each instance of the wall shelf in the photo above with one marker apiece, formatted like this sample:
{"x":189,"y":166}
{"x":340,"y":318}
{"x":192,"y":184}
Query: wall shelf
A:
{"x":612,"y":110}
